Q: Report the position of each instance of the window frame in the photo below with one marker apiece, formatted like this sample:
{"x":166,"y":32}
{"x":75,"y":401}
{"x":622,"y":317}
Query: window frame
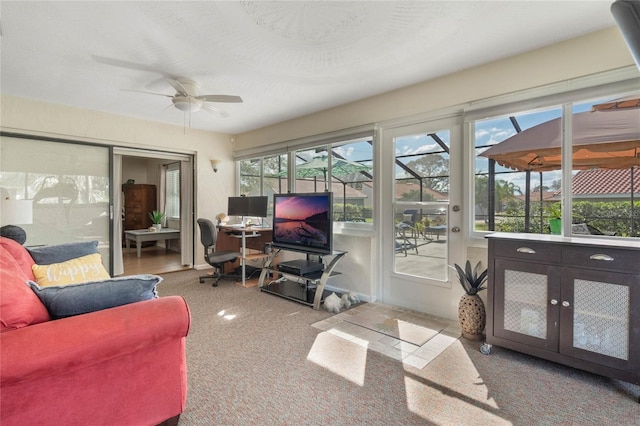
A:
{"x":328,"y":141}
{"x":172,"y":169}
{"x":564,"y":96}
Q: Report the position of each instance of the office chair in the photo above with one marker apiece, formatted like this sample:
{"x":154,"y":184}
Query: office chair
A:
{"x":208,"y":236}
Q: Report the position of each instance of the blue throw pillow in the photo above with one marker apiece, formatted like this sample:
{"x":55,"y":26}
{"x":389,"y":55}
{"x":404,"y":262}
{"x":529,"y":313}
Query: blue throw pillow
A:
{"x":76,"y":299}
{"x":46,"y":255}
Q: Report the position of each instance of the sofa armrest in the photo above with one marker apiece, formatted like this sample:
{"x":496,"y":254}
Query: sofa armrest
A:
{"x":58,"y":346}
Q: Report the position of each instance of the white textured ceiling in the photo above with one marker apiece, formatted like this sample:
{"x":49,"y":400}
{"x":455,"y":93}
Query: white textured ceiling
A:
{"x":285,"y":59}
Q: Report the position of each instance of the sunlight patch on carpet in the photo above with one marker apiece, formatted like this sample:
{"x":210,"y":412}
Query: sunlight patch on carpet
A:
{"x":341,"y":357}
{"x":226,"y":316}
{"x":439,"y":404}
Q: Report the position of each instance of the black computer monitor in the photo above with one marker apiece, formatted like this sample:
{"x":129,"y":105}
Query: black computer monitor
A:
{"x":248,"y":206}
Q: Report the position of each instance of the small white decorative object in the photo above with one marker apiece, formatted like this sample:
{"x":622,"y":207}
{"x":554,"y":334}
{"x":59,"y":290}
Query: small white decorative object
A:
{"x":353,"y":297}
{"x":345,"y":302}
{"x":332,"y":303}
{"x":152,"y":229}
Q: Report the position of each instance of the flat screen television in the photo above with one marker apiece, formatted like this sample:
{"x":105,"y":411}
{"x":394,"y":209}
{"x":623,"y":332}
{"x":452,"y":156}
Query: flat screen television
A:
{"x":303,"y":221}
{"x":248,"y":206}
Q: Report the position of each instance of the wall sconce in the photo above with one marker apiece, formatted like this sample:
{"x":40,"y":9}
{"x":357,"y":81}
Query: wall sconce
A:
{"x":215,"y":164}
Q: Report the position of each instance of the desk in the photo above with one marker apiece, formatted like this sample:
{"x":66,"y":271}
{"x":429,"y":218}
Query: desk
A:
{"x":243,"y":238}
{"x":140,"y":235}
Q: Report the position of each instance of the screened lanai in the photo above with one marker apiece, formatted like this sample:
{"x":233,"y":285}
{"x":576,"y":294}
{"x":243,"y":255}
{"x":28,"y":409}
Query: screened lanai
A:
{"x":602,"y":140}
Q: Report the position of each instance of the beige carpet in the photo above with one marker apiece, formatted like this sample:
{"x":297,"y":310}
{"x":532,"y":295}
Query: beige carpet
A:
{"x":396,"y":327}
{"x":257,"y":359}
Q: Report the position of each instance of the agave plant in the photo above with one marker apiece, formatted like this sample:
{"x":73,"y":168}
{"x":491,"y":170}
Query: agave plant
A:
{"x":472,"y":280}
{"x":156,"y":216}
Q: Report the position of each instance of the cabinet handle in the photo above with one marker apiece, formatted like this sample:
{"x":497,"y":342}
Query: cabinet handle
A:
{"x":554,"y":302}
{"x":566,"y":304}
{"x":601,"y":257}
{"x":526,"y":250}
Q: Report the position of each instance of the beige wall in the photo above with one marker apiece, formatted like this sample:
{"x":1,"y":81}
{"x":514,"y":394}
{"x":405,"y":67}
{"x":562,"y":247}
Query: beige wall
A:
{"x":58,"y":121}
{"x":590,"y":54}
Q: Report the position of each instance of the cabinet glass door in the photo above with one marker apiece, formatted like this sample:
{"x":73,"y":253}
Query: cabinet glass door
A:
{"x":525,"y":292}
{"x":597,"y":309}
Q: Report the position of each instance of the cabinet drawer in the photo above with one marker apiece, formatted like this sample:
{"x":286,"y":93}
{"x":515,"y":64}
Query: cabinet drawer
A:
{"x":602,"y":258}
{"x":528,"y":250}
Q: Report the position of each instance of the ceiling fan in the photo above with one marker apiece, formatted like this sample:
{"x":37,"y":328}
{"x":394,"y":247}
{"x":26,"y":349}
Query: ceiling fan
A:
{"x":186,"y":98}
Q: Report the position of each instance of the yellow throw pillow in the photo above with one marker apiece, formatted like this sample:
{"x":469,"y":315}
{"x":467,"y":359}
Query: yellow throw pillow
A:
{"x":74,"y":271}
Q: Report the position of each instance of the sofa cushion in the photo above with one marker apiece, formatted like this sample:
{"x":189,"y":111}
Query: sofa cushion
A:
{"x":14,"y":232}
{"x":74,"y":271}
{"x":76,"y":299}
{"x":47,"y":255}
{"x":20,"y":254}
{"x":19,"y":306}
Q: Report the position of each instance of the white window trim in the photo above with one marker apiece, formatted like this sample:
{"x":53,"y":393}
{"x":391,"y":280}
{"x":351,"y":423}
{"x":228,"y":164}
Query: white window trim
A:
{"x":617,"y":81}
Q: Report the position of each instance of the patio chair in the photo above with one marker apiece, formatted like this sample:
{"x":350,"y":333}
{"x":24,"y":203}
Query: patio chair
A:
{"x":586,"y":229}
{"x":403,"y":240}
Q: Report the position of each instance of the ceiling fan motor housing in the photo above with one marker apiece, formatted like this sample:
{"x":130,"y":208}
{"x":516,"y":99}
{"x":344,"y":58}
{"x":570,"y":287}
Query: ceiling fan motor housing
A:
{"x":186,"y":103}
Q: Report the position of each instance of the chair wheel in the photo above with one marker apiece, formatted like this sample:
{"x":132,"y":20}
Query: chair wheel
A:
{"x":214,"y":284}
{"x":485,"y":349}
{"x":201,"y":280}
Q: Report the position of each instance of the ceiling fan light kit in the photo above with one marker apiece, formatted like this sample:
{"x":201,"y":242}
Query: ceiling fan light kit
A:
{"x":187,"y":103}
{"x":187,"y":100}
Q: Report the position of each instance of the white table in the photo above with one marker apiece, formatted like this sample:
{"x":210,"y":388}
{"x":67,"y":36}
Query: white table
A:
{"x":244,"y":232}
{"x":141,"y":235}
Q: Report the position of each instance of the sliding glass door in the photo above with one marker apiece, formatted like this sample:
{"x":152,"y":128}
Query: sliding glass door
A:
{"x":58,"y":192}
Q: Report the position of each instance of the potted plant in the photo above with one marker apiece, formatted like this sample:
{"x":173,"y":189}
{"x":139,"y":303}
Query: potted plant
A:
{"x":157,"y":217}
{"x":554,"y":212}
{"x":471,"y":312}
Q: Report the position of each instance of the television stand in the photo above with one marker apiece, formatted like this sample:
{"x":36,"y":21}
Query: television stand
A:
{"x":294,"y":284}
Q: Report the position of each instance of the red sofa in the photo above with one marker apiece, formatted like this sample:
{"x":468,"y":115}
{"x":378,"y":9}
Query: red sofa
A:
{"x":123,"y":365}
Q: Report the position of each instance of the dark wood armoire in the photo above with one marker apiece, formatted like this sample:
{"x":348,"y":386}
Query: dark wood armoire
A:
{"x":139,"y":201}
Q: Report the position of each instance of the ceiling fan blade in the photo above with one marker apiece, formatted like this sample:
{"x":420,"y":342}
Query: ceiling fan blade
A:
{"x":220,"y":98}
{"x":147,"y":93}
{"x":217,"y":111}
{"x":179,"y":87}
{"x":124,"y":64}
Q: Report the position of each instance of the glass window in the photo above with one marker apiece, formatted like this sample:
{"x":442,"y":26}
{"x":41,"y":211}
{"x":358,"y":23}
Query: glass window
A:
{"x":519,"y":169}
{"x":264,"y":176}
{"x":352,"y":181}
{"x":172,"y":195}
{"x":604,"y":176}
{"x":343,"y":167}
{"x":250,"y":176}
{"x":421,"y":195}
{"x":275,"y":175}
{"x":422,"y":167}
{"x":505,"y":168}
{"x":347,"y":172}
{"x":60,"y":195}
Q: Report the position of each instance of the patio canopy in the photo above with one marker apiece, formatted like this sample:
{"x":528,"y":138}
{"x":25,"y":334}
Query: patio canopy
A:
{"x":600,"y":140}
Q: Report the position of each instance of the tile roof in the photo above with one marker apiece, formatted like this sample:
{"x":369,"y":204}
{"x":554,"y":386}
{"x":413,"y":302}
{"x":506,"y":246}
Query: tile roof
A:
{"x":304,"y":185}
{"x":402,"y":187}
{"x":605,"y":181}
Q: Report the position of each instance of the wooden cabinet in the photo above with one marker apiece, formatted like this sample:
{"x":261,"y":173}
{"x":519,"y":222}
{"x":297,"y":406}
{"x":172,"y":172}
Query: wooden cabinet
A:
{"x":139,"y":200}
{"x":569,"y":300}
